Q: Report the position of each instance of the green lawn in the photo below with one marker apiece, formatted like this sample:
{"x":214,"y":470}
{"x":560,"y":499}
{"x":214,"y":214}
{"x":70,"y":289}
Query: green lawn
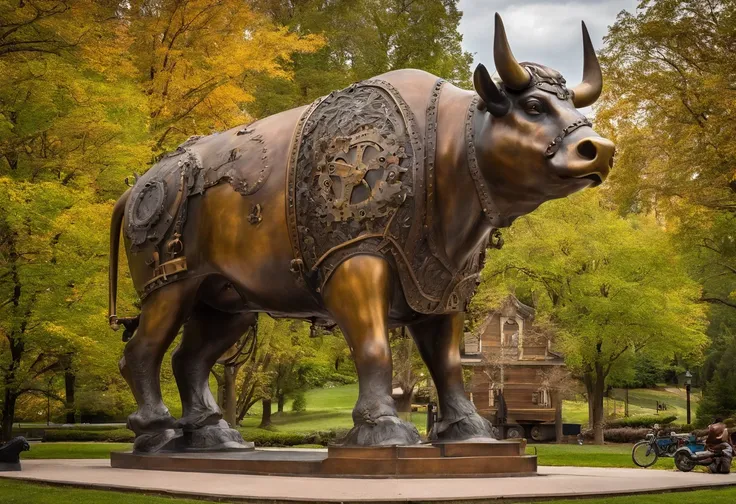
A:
{"x":73,"y":450}
{"x":610,"y":455}
{"x":331,"y":408}
{"x":328,"y":408}
{"x":641,"y":402}
{"x":719,"y":496}
{"x":16,"y":492}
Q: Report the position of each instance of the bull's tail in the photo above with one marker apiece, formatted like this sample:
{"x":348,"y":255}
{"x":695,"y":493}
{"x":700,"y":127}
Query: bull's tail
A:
{"x":116,"y":224}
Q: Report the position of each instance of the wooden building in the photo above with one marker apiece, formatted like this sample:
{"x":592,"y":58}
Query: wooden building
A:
{"x":514,"y":373}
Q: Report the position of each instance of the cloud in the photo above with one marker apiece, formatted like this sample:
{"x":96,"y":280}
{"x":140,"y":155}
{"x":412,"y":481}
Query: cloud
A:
{"x":545,"y":32}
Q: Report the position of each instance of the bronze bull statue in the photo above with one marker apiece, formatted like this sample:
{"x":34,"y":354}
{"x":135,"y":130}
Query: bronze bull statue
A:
{"x":371,"y":208}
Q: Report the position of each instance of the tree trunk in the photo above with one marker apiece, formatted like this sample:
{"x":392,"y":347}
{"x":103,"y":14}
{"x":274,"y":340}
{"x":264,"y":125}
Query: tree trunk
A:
{"x":229,"y":398}
{"x":281,"y":401}
{"x":403,"y":402}
{"x":17,"y":346}
{"x":70,"y":380}
{"x":266,"y":416}
{"x":598,"y":384}
{"x":588,"y":381}
{"x":6,"y":429}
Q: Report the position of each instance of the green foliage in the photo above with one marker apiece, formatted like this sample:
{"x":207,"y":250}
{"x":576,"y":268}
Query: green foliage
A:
{"x":620,"y":434}
{"x":614,"y":288}
{"x":300,"y":402}
{"x":641,"y":421}
{"x":719,"y":395}
{"x":668,"y":104}
{"x":78,"y":435}
{"x":89,"y":92}
{"x":364,"y":39}
{"x":272,"y":438}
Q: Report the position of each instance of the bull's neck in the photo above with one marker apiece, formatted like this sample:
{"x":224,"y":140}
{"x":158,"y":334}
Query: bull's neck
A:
{"x":459,"y":214}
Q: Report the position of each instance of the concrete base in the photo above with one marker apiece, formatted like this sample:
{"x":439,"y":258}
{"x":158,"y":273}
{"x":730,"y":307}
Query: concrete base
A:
{"x":9,"y":466}
{"x":553,"y":482}
{"x":421,"y":461}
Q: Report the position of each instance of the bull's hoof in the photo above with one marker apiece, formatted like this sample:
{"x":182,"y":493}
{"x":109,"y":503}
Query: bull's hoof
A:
{"x":165,"y":440}
{"x":193,"y":422}
{"x":217,"y":437}
{"x":151,"y":420}
{"x":472,"y":427}
{"x":384,"y":431}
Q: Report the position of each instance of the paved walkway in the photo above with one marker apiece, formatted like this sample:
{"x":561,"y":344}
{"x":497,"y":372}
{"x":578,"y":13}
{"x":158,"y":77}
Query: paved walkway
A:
{"x":552,"y":482}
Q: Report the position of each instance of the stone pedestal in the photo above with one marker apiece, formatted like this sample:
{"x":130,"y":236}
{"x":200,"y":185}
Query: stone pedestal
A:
{"x":502,"y":458}
{"x":9,"y":466}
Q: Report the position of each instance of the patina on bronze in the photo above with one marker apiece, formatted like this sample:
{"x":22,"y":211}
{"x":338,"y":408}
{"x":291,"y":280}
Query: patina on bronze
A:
{"x":371,"y":208}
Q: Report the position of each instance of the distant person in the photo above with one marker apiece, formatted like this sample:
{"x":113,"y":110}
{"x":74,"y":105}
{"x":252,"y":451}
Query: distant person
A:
{"x":718,"y":442}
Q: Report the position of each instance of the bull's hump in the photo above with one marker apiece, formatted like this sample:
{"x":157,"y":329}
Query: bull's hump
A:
{"x":408,"y":77}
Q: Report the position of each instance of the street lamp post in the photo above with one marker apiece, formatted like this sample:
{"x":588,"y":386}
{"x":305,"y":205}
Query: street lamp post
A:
{"x":688,"y":382}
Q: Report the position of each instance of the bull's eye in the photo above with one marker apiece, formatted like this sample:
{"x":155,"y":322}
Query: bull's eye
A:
{"x":533,"y":107}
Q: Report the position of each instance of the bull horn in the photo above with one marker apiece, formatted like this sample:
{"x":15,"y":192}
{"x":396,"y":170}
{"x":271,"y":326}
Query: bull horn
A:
{"x":588,"y":91}
{"x":513,"y":75}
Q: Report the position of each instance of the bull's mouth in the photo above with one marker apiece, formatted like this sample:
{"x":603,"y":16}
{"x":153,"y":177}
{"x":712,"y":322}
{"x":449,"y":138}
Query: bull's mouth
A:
{"x":596,"y":178}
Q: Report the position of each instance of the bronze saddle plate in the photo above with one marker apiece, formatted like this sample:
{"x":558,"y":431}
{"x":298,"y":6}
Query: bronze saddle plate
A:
{"x":356,"y":185}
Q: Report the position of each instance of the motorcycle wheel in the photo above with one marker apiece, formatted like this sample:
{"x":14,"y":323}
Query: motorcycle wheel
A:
{"x":683,"y":462}
{"x":644,"y":454}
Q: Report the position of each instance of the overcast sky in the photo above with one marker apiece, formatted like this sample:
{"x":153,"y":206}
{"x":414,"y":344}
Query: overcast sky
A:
{"x":542,"y":31}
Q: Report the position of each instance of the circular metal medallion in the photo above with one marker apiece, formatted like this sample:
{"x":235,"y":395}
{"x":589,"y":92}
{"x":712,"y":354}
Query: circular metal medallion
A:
{"x":148,"y":204}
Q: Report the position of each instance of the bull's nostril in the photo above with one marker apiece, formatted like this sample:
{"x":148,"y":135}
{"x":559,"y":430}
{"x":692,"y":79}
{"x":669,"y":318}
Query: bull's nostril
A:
{"x":587,"y":149}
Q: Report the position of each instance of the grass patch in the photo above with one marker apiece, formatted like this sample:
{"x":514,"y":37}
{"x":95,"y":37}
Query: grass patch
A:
{"x":73,"y":450}
{"x":641,"y":402}
{"x":713,"y":496}
{"x":20,"y":492}
{"x":613,"y":455}
{"x":328,"y":409}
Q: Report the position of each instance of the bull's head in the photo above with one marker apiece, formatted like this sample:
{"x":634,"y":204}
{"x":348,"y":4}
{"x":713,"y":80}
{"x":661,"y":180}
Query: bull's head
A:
{"x":532,"y":145}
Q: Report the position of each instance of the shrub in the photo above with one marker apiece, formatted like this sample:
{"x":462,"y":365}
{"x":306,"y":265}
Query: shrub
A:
{"x":641,"y":421}
{"x":79,"y":435}
{"x":620,"y":434}
{"x":682,"y":428}
{"x":269,"y":438}
{"x":300,"y":402}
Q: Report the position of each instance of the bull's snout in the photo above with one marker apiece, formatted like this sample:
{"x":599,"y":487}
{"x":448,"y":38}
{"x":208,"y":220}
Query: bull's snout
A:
{"x":596,"y":154}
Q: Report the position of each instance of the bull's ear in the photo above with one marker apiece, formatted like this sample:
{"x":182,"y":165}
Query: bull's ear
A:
{"x":496,"y":102}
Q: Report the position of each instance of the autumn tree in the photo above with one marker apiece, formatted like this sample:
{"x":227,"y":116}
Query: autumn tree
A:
{"x":363,"y":39}
{"x":89,"y":92}
{"x":668,"y":104}
{"x":613,"y":288}
{"x":193,"y":56}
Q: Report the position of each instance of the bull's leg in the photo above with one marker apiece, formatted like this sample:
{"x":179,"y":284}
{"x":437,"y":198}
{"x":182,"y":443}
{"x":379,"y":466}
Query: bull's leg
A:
{"x":208,"y":334}
{"x":358,"y":296}
{"x":438,"y":341}
{"x":162,"y":315}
